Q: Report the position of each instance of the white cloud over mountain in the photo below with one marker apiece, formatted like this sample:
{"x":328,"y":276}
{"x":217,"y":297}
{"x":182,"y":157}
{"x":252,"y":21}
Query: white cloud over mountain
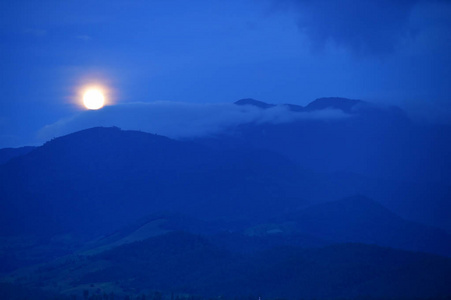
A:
{"x":179,"y":120}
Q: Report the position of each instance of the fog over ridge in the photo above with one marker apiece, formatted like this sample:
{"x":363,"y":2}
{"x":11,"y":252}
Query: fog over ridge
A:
{"x":180,"y":119}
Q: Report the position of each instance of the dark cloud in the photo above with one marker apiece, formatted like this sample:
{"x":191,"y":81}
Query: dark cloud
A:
{"x":373,"y":27}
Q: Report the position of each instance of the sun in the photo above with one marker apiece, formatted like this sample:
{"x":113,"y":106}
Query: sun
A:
{"x":93,"y":98}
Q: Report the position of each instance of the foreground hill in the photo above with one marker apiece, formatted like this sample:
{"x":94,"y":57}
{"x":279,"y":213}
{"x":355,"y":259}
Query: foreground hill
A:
{"x":189,"y":264}
{"x":360,"y":219}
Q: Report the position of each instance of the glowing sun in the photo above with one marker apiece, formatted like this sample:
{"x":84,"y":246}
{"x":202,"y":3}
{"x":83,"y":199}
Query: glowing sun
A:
{"x":93,"y":99}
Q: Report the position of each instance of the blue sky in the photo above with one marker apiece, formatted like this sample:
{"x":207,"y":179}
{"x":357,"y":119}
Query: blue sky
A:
{"x":211,"y":52}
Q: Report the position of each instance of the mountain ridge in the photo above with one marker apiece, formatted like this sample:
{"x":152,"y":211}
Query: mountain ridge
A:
{"x":134,"y":167}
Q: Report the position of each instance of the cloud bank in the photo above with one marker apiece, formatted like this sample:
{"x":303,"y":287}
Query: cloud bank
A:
{"x":180,"y":120}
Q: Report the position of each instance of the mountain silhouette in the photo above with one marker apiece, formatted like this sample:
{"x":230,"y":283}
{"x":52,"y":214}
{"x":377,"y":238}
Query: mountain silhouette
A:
{"x":265,"y":209}
{"x":98,"y":180}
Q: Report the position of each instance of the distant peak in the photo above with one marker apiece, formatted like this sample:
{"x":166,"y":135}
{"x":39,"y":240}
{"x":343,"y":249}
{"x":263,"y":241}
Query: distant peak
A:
{"x":343,"y":104}
{"x":250,"y":101}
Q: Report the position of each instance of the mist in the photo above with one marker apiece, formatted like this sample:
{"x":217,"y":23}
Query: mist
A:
{"x":181,"y":119}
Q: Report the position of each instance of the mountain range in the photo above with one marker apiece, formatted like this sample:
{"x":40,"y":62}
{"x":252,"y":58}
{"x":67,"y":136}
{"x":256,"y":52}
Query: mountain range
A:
{"x":355,"y":205}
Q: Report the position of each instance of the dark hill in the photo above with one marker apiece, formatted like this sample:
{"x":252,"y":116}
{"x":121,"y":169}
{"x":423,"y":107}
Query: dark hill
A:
{"x":155,"y":225}
{"x":8,"y":153}
{"x":175,"y":261}
{"x":359,"y":219}
{"x":100,"y":179}
{"x":349,"y":271}
{"x":183,"y":263}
